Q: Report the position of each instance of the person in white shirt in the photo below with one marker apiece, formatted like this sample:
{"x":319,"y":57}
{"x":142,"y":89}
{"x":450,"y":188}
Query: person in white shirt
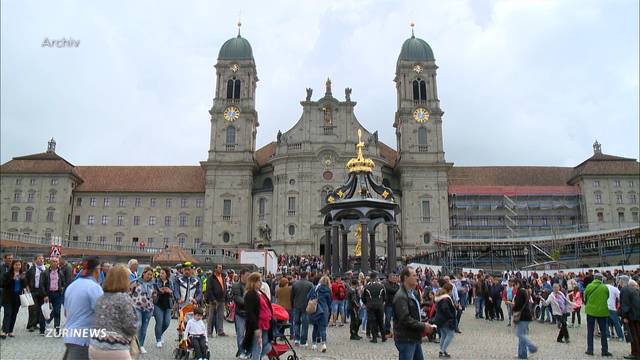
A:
{"x":614,"y":296}
{"x":197,"y":333}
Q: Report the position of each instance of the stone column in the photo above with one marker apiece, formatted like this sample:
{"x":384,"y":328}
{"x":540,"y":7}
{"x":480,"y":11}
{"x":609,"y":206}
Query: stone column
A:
{"x":345,"y":252}
{"x":327,"y":247}
{"x":335,"y":249}
{"x":372,"y":251}
{"x":364,"y":247}
{"x":391,"y":248}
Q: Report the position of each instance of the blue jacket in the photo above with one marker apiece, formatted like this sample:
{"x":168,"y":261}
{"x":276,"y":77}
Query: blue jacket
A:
{"x":323,"y":310}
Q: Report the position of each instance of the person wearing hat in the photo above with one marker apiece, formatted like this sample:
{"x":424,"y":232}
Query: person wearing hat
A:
{"x":187,"y":288}
{"x":373,"y":298}
{"x":630,"y":312}
{"x":595,"y":298}
{"x":79,"y":306}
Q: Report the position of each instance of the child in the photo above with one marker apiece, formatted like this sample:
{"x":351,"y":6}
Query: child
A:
{"x":576,"y":298}
{"x":196,"y":332}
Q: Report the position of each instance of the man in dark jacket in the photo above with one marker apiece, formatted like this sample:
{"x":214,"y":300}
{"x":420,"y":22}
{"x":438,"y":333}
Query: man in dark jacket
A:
{"x":215,"y":294}
{"x":390,"y":288}
{"x":4,"y":270}
{"x":407,"y":327}
{"x":630,"y":311}
{"x":299,"y":300}
{"x":353,"y":307}
{"x":54,"y":286}
{"x":36,"y":278}
{"x":373,"y":298}
{"x":237,"y":292}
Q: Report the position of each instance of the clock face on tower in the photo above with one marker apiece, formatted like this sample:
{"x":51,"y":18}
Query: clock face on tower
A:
{"x":231,"y":113}
{"x":417,"y":68}
{"x":235,"y":67}
{"x":421,"y":115}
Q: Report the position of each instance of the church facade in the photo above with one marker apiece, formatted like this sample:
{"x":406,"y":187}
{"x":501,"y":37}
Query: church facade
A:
{"x":243,"y":197}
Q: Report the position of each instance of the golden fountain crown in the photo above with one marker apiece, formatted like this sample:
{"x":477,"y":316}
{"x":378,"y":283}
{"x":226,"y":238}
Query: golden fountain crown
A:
{"x":359,"y":163}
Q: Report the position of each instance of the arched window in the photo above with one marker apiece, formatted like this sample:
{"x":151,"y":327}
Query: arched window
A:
{"x":292,"y":230}
{"x":236,"y":89}
{"x":267,"y":183}
{"x":231,"y":135}
{"x":262,"y":205}
{"x":230,"y":89}
{"x":422,"y":136}
{"x":426,"y":238}
{"x":419,"y":89}
{"x":233,"y":88}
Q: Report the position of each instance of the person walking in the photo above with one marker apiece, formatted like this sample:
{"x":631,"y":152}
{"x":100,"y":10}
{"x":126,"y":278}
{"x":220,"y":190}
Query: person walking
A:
{"x":80,"y":300}
{"x":187,"y":288}
{"x":338,"y":294}
{"x":353,"y":307}
{"x":576,"y":297}
{"x":373,"y":298}
{"x":215,"y":297}
{"x":259,"y":332}
{"x":37,"y":280}
{"x":630,"y":312}
{"x":283,"y":298}
{"x":445,"y":318}
{"x":407,"y":327}
{"x":116,"y":315}
{"x":14,"y":281}
{"x":507,"y":296}
{"x":163,"y":304}
{"x":237,"y":294}
{"x":614,"y":318}
{"x":55,"y":284}
{"x":5,"y":269}
{"x":390,"y":288}
{"x":300,"y":298}
{"x":320,"y":319}
{"x":522,"y":318}
{"x":478,"y":293}
{"x":596,"y":296}
{"x":560,"y":306}
{"x":142,"y":294}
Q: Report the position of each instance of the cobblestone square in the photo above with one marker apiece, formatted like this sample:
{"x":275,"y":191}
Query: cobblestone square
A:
{"x":480,"y":339}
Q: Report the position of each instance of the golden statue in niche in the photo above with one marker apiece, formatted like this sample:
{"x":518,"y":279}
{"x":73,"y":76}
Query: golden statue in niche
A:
{"x":357,"y":251}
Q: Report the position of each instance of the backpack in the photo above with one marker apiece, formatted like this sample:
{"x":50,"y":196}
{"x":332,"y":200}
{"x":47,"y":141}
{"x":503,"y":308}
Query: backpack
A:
{"x":340,"y":293}
{"x":312,"y":305}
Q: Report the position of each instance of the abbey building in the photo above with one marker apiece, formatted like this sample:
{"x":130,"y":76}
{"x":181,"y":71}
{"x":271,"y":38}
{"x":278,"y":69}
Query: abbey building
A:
{"x":243,"y":197}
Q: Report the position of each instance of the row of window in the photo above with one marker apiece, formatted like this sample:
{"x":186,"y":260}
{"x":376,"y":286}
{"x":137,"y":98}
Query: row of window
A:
{"x":34,"y":181}
{"x":31,"y":195}
{"x":150,"y":241}
{"x":635,"y":216}
{"x":544,"y":220}
{"x":633,"y":198}
{"x":137,"y":202}
{"x":615,"y":183}
{"x":183,"y":220}
{"x":28,"y":216}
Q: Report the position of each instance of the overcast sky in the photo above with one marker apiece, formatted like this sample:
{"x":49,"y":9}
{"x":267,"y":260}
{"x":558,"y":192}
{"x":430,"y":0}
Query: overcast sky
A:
{"x":521,"y":82}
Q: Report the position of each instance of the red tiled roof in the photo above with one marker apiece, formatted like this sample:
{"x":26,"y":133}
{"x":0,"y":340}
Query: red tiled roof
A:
{"x":512,"y":190}
{"x":264,"y":154}
{"x":41,"y":163}
{"x":509,"y":175}
{"x":174,"y":179}
{"x":390,"y":154}
{"x":603,"y":164}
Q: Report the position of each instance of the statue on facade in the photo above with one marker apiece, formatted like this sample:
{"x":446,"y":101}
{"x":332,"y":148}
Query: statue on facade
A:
{"x":265,"y":233}
{"x":347,"y":94}
{"x":328,"y":87}
{"x":279,"y":137}
{"x":309,"y":92}
{"x":357,"y":250}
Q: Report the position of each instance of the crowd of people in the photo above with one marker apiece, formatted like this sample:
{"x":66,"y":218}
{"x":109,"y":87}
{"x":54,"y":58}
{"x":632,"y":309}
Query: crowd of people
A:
{"x":108,"y":307}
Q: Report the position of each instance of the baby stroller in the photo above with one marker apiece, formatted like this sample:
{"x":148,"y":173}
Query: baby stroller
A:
{"x":280,"y":344}
{"x":184,"y":351}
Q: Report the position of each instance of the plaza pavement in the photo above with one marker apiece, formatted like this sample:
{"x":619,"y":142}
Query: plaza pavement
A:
{"x":480,"y":340}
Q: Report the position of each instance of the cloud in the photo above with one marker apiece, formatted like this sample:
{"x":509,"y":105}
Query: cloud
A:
{"x":521,"y":82}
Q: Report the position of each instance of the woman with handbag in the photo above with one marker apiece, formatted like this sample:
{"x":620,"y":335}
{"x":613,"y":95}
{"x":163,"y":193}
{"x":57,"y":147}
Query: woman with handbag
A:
{"x":13,"y":285}
{"x":163,"y":304}
{"x":116,"y":315}
{"x":320,"y":318}
{"x":445,"y":318}
{"x":521,"y":319}
{"x":259,"y":326}
{"x":142,"y":294}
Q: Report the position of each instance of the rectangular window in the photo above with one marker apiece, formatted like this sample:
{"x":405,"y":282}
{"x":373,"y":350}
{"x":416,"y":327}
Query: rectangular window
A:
{"x":616,"y":183}
{"x":79,"y":202}
{"x":76,"y":220}
{"x":545,"y":221}
{"x":620,"y":216}
{"x":596,"y":183}
{"x":485,"y":221}
{"x":50,"y":216}
{"x":261,"y":207}
{"x":633,"y":198}
{"x":634,"y":216}
{"x":199,"y":203}
{"x":165,"y":242}
{"x":32,"y":181}
{"x":181,"y":241}
{"x":18,"y":181}
{"x":226,"y":209}
{"x":118,"y":240}
{"x":17,"y":197}
{"x":122,"y":202}
{"x":196,"y":242}
{"x":75,"y":238}
{"x":89,"y":238}
{"x":167,"y":221}
{"x":54,"y":181}
{"x":107,"y":202}
{"x":426,"y":210}
{"x":631,"y":183}
{"x":136,"y":220}
{"x":559,"y":220}
{"x":184,"y":203}
{"x":152,"y":220}
{"x":28,"y":216}
{"x":598,"y":198}
{"x":103,"y":239}
{"x":469,"y":221}
{"x":152,"y":202}
{"x":619,"y":199}
{"x":91,"y":220}
{"x":93,"y":202}
{"x":198,"y":221}
{"x":120,"y":220}
{"x":30,"y":197}
{"x":183,"y":220}
{"x":150,"y":242}
{"x":600,"y":216}
{"x":292,"y":206}
{"x":137,"y":202}
{"x":52,"y":197}
{"x":105,"y":220}
{"x":14,"y":216}
{"x":167,"y":203}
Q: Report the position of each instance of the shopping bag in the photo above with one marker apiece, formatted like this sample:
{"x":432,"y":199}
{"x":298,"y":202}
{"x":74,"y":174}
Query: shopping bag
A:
{"x":26,"y":299}
{"x":46,"y":310}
